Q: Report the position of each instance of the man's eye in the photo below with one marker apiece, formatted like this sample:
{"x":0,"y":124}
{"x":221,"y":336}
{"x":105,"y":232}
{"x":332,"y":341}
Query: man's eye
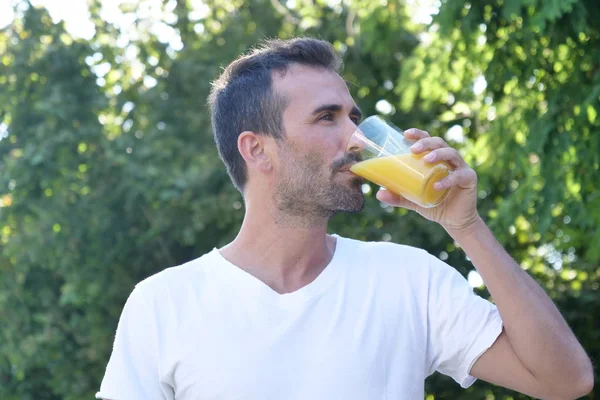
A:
{"x":356,"y":120}
{"x":326,"y":117}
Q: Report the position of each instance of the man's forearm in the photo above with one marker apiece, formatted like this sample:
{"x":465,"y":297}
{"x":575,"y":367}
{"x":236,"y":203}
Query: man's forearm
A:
{"x":535,"y":328}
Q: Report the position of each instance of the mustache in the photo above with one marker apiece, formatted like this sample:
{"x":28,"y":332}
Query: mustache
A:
{"x":347,"y":160}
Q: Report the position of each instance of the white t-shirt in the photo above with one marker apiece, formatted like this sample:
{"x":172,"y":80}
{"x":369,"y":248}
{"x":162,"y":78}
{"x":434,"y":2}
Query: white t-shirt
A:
{"x":374,"y":324}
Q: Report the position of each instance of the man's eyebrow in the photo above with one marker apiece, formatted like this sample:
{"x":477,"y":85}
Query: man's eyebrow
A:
{"x":337,"y":108}
{"x":356,"y":111}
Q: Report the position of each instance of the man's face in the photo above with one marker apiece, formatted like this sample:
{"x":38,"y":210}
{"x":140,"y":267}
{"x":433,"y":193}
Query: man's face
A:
{"x":313,"y":179}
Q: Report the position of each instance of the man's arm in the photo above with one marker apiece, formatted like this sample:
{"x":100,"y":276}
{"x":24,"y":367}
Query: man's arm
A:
{"x":537,"y":353}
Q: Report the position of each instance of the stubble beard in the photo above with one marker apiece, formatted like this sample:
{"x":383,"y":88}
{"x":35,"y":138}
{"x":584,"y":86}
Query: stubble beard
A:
{"x":306,"y":194}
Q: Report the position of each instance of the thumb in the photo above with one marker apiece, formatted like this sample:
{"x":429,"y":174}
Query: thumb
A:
{"x":395,"y":200}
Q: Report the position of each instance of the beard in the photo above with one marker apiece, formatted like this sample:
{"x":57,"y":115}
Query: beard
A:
{"x":307,"y":189}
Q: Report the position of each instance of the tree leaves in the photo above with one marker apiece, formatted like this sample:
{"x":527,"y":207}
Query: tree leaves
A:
{"x":104,"y":182}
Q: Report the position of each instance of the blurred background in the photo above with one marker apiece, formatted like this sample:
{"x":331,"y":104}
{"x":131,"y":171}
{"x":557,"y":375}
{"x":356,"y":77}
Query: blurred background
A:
{"x":108,"y":171}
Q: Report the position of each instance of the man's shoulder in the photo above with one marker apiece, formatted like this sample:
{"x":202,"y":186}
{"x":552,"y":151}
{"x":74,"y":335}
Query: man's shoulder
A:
{"x":387,"y":260}
{"x":398,"y":273}
{"x":179,"y":275}
{"x":385,"y":249}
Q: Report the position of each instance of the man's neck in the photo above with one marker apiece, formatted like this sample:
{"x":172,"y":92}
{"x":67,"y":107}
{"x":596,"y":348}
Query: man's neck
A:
{"x":285,"y":252}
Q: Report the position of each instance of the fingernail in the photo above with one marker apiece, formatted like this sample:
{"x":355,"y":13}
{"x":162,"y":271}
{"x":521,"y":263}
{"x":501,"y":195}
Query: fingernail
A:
{"x":429,"y":157}
{"x":416,"y":147}
{"x":438,"y":185}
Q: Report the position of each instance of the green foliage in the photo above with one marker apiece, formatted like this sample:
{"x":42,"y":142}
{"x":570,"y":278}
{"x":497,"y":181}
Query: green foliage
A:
{"x":109,"y":174}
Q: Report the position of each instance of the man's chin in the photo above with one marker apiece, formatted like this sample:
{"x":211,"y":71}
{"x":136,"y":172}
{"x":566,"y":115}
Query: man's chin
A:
{"x":356,"y":209}
{"x":353,"y":203}
{"x":350,"y":210}
{"x":358,"y":181}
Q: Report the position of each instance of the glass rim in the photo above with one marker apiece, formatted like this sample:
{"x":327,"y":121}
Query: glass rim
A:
{"x":368,"y":147}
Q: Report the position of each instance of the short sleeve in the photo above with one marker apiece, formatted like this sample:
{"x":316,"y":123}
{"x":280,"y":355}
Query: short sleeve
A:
{"x":461,"y":325}
{"x":132,"y":372}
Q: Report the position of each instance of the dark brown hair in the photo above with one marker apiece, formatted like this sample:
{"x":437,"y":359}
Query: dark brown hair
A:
{"x":243,"y":98}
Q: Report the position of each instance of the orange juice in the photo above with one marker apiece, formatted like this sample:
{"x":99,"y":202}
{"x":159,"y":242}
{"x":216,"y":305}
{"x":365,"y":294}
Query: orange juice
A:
{"x":407,"y":175}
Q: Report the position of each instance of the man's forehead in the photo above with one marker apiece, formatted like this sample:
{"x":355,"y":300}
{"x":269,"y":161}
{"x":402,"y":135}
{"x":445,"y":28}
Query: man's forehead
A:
{"x":311,"y":85}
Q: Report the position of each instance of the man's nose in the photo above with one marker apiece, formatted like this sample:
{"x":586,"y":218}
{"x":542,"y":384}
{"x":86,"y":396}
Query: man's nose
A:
{"x":355,"y":143}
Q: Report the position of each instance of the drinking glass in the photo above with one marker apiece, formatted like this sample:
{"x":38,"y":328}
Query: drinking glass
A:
{"x":388,"y":162}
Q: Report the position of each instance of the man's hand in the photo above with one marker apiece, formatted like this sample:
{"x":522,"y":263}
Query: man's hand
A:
{"x":459,"y":211}
{"x":537,"y":353}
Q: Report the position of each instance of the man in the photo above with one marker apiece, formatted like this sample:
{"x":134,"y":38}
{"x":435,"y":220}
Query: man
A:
{"x":286,"y":311}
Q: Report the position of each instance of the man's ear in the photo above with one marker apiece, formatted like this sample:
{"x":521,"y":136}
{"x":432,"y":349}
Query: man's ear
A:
{"x":252,"y":147}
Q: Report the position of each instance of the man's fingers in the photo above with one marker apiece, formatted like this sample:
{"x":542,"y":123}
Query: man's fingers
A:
{"x":395,"y":200}
{"x":446,"y":154}
{"x":464,"y":178}
{"x":415,"y":134}
{"x":428,"y":143}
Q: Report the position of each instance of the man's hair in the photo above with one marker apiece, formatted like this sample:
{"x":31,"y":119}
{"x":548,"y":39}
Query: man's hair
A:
{"x":243,"y":98}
